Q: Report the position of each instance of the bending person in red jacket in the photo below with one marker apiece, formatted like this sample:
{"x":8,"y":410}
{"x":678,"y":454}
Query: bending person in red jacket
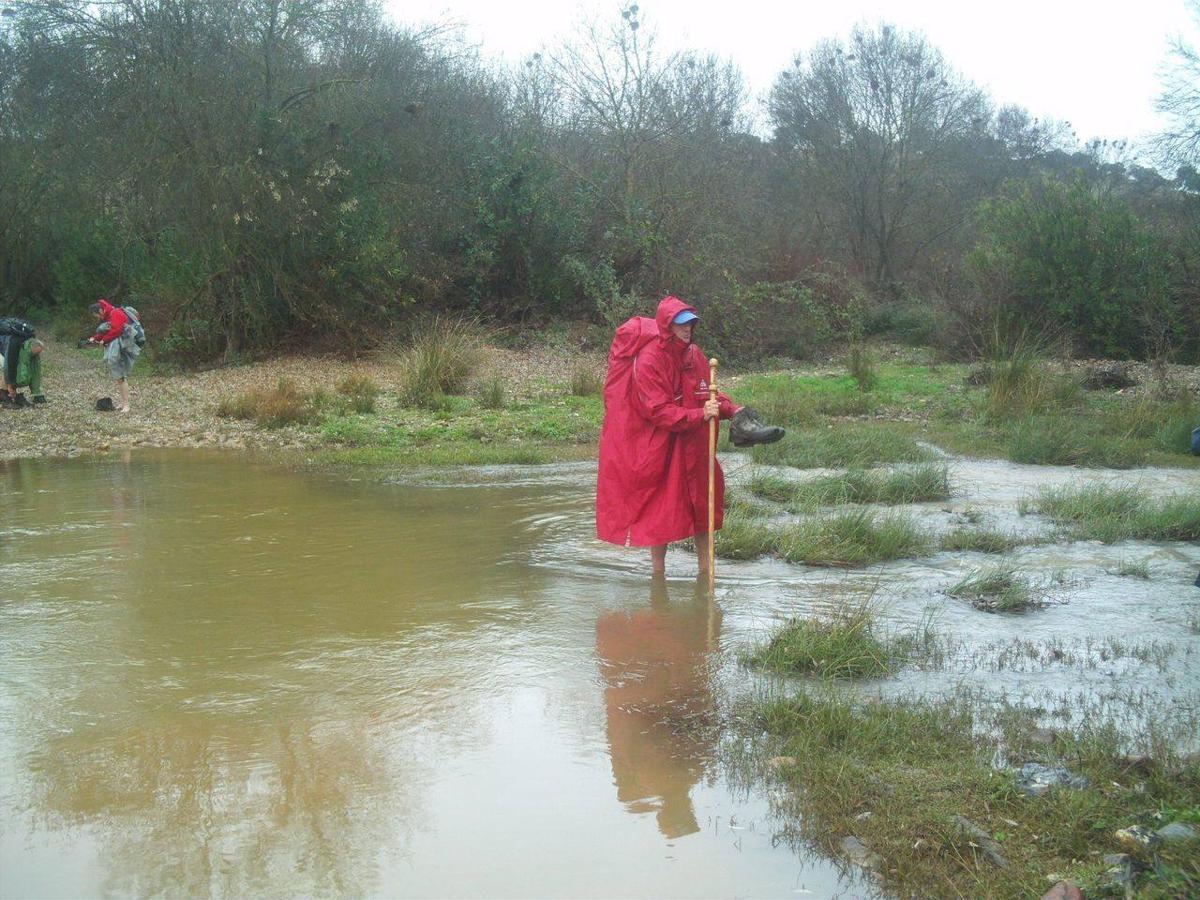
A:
{"x":120,"y":350}
{"x":652,"y":486}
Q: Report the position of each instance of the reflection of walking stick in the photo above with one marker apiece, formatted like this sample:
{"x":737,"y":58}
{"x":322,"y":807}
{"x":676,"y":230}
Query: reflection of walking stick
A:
{"x":712,"y":474}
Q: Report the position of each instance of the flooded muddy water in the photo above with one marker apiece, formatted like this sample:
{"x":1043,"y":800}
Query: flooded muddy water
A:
{"x":219,"y":677}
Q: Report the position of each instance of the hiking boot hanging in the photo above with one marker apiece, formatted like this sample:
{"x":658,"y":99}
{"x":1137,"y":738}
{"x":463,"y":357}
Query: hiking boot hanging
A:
{"x":747,"y":428}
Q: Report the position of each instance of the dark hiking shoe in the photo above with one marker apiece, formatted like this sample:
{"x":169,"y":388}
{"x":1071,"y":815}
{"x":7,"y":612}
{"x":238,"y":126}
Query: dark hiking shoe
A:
{"x":747,"y":428}
{"x":105,"y":404}
{"x":39,"y":398}
{"x":21,"y":401}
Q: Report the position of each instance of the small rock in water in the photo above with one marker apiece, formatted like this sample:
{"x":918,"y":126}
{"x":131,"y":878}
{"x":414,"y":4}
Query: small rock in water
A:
{"x":1176,"y":832}
{"x":1064,"y":890}
{"x":860,"y":854}
{"x":1035,"y":779}
{"x":1136,"y":838}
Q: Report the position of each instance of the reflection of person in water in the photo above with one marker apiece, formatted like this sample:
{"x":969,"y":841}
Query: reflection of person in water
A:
{"x":659,"y":702}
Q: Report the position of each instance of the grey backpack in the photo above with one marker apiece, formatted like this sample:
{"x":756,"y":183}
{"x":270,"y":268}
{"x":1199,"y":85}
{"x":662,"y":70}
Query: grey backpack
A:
{"x":135,"y":322}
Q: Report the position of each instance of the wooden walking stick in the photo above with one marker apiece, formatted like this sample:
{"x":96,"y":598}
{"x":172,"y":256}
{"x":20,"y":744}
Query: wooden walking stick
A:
{"x":713,"y":425}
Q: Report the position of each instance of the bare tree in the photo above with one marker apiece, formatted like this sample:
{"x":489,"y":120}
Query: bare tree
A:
{"x":879,"y":126}
{"x":1179,"y":145}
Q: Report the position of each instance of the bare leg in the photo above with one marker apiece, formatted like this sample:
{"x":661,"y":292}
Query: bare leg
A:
{"x":658,"y":559}
{"x":123,"y":386}
{"x":702,"y":560}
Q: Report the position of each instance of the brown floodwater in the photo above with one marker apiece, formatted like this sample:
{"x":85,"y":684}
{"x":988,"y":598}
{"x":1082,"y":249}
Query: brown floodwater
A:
{"x":220,"y":677}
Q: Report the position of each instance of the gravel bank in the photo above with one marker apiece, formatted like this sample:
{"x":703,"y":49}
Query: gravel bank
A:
{"x":179,"y":410}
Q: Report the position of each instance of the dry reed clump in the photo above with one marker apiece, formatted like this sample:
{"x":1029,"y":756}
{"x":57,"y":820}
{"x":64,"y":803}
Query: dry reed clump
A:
{"x":283,"y":404}
{"x":357,"y":393}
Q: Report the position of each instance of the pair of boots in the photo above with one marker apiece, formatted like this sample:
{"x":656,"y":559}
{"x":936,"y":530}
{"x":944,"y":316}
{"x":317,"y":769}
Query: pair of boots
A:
{"x":20,"y":401}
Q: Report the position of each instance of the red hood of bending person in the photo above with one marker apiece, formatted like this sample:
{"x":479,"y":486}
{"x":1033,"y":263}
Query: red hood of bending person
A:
{"x":115,"y":317}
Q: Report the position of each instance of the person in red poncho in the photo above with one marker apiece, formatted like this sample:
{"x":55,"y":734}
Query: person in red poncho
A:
{"x":652,"y":486}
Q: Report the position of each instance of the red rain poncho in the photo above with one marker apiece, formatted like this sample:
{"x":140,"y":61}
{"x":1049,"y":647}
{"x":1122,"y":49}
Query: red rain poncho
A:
{"x":652,"y":487}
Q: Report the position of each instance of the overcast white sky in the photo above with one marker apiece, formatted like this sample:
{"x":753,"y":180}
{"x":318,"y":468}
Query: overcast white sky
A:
{"x":1095,"y":64}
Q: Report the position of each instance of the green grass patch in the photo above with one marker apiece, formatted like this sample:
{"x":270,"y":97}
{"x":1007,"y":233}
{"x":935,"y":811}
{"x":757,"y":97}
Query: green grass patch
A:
{"x":1115,"y":513}
{"x":1058,"y":441}
{"x":896,"y":774}
{"x":998,"y":589}
{"x":842,"y":644}
{"x":965,"y":538}
{"x":853,"y":538}
{"x":844,"y":445}
{"x":747,"y":538}
{"x":915,"y":485}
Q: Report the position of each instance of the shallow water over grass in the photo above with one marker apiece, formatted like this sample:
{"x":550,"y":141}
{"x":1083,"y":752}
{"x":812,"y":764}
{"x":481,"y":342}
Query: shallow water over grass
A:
{"x":220,"y":677}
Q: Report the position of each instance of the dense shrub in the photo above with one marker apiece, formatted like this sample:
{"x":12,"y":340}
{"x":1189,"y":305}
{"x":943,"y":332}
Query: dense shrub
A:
{"x":794,"y":319}
{"x":1068,"y":256}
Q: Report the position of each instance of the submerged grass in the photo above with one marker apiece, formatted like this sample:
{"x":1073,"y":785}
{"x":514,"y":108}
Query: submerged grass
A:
{"x":918,"y":484}
{"x":897,"y":774}
{"x":1111,"y":513}
{"x":998,"y":589}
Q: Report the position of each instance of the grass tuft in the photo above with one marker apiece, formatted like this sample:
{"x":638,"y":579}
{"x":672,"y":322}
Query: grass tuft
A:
{"x":861,"y":365}
{"x":1129,"y":569}
{"x":840,"y":645}
{"x":438,"y":361}
{"x":981,"y":540}
{"x":490,"y":394}
{"x":586,"y":381}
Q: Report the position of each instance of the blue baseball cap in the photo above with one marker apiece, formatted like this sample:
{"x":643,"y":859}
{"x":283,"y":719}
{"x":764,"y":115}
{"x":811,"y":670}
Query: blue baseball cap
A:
{"x":684,"y":317}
